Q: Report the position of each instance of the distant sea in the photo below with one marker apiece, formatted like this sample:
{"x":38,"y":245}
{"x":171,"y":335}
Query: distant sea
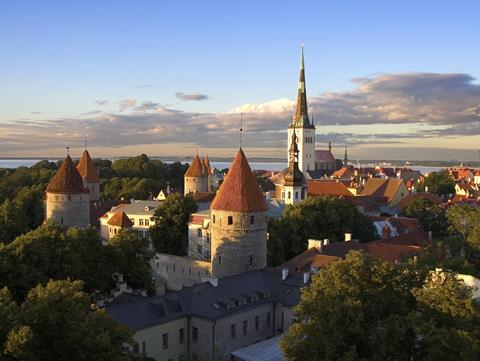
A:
{"x":270,"y":166}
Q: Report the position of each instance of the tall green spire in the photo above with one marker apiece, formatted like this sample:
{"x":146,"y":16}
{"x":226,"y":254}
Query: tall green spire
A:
{"x":301,"y":119}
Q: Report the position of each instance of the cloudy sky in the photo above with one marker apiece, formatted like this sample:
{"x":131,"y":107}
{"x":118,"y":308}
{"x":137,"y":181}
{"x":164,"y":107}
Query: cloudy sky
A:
{"x":398,"y":81}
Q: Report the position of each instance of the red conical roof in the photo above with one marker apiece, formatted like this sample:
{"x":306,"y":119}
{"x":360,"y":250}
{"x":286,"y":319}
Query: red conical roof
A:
{"x":196,"y":169}
{"x":206,"y":162}
{"x":87,"y":169}
{"x":120,"y":219}
{"x":239,"y":191}
{"x":67,"y":180}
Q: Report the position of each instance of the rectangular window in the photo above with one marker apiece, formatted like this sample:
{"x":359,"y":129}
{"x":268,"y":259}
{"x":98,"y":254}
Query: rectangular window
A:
{"x":165,"y":341}
{"x":147,"y":222}
{"x":289,"y":195}
{"x":140,"y":222}
{"x":199,"y":233}
{"x":244,"y":327}
{"x":269,"y":318}
{"x":252,"y":219}
{"x":144,"y":347}
{"x":133,"y":221}
{"x":181,"y":335}
{"x":194,"y":334}
{"x":233,"y":331}
{"x":257,"y":323}
{"x":230,"y":220}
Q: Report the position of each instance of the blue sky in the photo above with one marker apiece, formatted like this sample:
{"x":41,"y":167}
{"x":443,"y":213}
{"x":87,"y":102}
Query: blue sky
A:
{"x":60,"y":57}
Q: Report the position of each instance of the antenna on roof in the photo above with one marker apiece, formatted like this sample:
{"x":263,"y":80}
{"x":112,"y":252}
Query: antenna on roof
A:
{"x":241,"y":130}
{"x":86,"y":141}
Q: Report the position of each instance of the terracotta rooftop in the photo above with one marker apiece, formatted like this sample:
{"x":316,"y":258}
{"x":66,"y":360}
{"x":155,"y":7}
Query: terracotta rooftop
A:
{"x":206,"y":163}
{"x":413,"y":196}
{"x":203,"y":197}
{"x":311,"y":258}
{"x":381,"y":187}
{"x":239,"y":191}
{"x":120,"y":219}
{"x":87,"y":169}
{"x":67,"y":180}
{"x":196,"y":169}
{"x":328,"y":188}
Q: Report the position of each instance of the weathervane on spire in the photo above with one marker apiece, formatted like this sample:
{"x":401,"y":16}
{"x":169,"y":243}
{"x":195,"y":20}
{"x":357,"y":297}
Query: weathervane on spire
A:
{"x":68,"y":150}
{"x":86,"y":141}
{"x":241,"y":130}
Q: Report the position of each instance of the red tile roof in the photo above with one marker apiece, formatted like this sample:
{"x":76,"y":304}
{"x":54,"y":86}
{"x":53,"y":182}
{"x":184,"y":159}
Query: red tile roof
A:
{"x":239,"y":191}
{"x":328,"y":188}
{"x":311,"y":258}
{"x":87,"y":169}
{"x":67,"y":180}
{"x":382,"y":187}
{"x":412,"y":196}
{"x":120,"y":219}
{"x":206,"y":163}
{"x":197,"y":218}
{"x":196,"y":169}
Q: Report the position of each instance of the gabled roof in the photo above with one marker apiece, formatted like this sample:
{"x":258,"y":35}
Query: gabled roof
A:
{"x":381,"y":187}
{"x":87,"y":169}
{"x":239,"y":191}
{"x":120,"y":219}
{"x":343,"y":172}
{"x":328,"y":188}
{"x":67,"y":180}
{"x":196,"y":169}
{"x":324,"y":156}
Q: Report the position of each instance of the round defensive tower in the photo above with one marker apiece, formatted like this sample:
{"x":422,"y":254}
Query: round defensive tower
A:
{"x":196,"y":177}
{"x":89,"y":175}
{"x":238,"y":222}
{"x":67,"y":201}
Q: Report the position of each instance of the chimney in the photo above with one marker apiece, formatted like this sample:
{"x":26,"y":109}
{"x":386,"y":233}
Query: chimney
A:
{"x":268,"y":196}
{"x":315,"y":243}
{"x":348,"y":237}
{"x":284,"y":273}
{"x":306,"y":277}
{"x":326,"y":241}
{"x":426,"y":189}
{"x":430,"y":235}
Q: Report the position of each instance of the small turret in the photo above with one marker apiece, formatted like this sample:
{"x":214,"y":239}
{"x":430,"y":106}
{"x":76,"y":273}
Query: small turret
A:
{"x":89,"y":174}
{"x":196,"y":177}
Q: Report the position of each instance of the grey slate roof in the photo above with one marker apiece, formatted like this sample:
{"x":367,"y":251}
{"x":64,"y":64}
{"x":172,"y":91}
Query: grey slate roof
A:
{"x":268,"y":350}
{"x":233,"y":294}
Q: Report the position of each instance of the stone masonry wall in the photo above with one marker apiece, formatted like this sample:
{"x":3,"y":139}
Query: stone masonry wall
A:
{"x":195,"y":184}
{"x":240,"y":246}
{"x":68,"y":210}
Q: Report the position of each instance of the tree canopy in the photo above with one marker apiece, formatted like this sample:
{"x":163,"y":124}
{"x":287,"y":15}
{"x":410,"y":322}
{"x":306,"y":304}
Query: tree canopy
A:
{"x":56,"y":322}
{"x":317,"y":218}
{"x":52,"y":252}
{"x":364,"y":308}
{"x":170,"y":232}
{"x":430,"y":216}
{"x":440,"y":183}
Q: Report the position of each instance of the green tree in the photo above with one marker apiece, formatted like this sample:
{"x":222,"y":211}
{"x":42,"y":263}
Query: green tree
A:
{"x":129,"y":254}
{"x":431,"y":217}
{"x":440,"y":183}
{"x":56,"y":322}
{"x":170,"y":232}
{"x":13,"y":221}
{"x":364,"y":308}
{"x":318,"y":218}
{"x":8,"y":314}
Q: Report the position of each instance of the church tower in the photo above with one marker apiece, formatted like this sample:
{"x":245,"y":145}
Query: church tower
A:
{"x":67,"y":201}
{"x":292,"y":185}
{"x":196,"y":177}
{"x":90,"y":177}
{"x":304,"y":128}
{"x":239,"y":222}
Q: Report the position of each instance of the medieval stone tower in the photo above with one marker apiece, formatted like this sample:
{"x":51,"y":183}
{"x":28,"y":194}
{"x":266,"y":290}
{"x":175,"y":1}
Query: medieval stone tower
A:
{"x":67,"y":201}
{"x":305,"y":130}
{"x":239,"y":222}
{"x":196,"y":178}
{"x":90,"y":177}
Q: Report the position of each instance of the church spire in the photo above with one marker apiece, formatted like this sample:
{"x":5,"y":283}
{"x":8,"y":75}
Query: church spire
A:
{"x":345,"y":158}
{"x":301,"y":119}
